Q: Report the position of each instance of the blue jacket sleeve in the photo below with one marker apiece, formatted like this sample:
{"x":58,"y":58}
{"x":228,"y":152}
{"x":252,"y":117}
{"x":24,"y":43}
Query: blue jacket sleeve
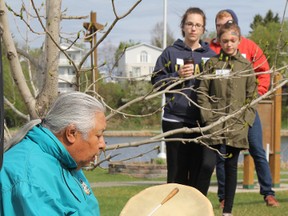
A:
{"x":32,"y":200}
{"x":26,"y":200}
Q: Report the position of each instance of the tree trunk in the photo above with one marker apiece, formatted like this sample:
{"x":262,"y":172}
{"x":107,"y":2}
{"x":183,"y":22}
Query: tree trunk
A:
{"x":14,"y":62}
{"x":50,"y":88}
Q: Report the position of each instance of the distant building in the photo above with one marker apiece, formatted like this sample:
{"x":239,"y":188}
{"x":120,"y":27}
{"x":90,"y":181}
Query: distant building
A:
{"x":137,"y":63}
{"x":66,"y":71}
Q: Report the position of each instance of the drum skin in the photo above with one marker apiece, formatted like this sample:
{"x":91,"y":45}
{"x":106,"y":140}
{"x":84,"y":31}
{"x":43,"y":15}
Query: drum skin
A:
{"x":187,"y":202}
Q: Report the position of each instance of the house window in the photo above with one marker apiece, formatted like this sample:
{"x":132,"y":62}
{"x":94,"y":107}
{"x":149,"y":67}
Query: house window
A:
{"x":136,"y":72}
{"x":72,"y":56}
{"x":65,"y":85}
{"x":144,"y":57}
{"x":151,"y":69}
{"x":61,"y":71}
{"x":71,"y":71}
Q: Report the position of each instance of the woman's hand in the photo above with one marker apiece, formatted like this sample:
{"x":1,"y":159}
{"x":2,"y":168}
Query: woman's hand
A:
{"x":186,"y":71}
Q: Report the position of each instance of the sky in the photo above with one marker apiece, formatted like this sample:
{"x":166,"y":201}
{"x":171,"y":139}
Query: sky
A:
{"x":138,"y":25}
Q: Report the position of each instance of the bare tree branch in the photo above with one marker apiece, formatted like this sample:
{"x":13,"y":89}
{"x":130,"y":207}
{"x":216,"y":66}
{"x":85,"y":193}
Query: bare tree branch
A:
{"x":15,"y":110}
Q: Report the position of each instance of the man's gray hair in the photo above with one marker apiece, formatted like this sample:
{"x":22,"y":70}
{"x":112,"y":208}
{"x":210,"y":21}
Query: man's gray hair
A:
{"x":73,"y":108}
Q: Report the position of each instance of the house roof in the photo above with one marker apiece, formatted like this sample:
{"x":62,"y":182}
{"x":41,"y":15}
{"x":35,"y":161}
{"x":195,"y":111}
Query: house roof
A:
{"x":144,"y":44}
{"x":71,"y":48}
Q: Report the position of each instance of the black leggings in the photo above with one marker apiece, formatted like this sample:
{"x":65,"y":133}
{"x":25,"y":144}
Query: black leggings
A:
{"x":208,"y":162}
{"x":189,"y":164}
{"x":230,"y":177}
{"x":182,"y":159}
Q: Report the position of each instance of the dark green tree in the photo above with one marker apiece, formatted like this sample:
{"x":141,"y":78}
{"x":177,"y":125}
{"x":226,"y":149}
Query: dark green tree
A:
{"x":112,"y":94}
{"x":273,"y":39}
{"x":11,"y":93}
{"x":258,"y":20}
{"x":269,"y":18}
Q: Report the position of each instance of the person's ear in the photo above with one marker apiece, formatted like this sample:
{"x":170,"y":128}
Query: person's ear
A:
{"x":71,"y":133}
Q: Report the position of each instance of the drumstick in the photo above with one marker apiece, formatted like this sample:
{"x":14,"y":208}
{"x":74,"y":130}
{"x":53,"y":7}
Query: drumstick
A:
{"x":168,"y":197}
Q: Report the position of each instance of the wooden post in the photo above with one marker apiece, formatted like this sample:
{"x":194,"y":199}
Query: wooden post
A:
{"x":248,"y":176}
{"x":266,"y":115}
{"x":275,"y":157}
{"x":95,"y":72}
{"x":92,"y":28}
{"x":270,"y":115}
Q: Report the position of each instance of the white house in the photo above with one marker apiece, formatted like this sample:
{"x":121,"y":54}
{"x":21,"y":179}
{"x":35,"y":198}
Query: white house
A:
{"x":66,"y":71}
{"x":137,"y":63}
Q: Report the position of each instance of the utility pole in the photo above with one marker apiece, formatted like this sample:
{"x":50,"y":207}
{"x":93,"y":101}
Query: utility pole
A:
{"x":92,"y":27}
{"x":162,"y":153}
{"x":164,"y":25}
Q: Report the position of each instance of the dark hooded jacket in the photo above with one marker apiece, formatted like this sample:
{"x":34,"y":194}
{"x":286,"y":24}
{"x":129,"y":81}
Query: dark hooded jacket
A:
{"x":165,"y":73}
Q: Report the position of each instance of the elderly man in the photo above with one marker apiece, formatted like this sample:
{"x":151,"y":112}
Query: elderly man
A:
{"x":42,"y":173}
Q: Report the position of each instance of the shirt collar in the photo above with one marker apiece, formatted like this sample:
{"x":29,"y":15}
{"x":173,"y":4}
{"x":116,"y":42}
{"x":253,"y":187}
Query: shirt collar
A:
{"x":50,"y":144}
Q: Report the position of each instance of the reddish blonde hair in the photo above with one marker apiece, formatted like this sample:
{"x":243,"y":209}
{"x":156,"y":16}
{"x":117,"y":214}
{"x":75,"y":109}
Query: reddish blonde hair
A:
{"x":230,"y":25}
{"x":223,"y":14}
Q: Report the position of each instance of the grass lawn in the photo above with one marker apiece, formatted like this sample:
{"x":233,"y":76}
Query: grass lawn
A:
{"x":113,"y":199}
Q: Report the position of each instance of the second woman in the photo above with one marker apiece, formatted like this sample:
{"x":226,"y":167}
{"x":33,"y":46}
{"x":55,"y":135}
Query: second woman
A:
{"x":184,"y":159}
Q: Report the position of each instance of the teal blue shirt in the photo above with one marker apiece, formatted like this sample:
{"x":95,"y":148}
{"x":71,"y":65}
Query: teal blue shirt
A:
{"x":38,"y":177}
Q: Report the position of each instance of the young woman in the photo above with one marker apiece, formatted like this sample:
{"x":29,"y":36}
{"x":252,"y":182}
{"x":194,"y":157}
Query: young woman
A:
{"x":183,"y":158}
{"x":251,"y":51}
{"x":232,"y":87}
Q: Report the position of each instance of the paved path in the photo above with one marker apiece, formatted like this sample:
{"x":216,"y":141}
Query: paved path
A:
{"x":213,"y":187}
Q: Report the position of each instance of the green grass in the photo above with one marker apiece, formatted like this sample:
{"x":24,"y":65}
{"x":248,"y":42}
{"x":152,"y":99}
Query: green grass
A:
{"x":102,"y":175}
{"x":252,"y":204}
{"x":113,"y":199}
{"x":284,"y":125}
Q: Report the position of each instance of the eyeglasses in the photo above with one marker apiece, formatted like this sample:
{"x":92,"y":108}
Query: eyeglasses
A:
{"x":191,"y":25}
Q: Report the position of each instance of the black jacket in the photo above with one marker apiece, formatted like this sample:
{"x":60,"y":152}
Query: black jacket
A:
{"x":165,"y":73}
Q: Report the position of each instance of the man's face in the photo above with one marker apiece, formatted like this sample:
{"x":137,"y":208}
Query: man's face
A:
{"x":85,"y":149}
{"x":221,"y":21}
